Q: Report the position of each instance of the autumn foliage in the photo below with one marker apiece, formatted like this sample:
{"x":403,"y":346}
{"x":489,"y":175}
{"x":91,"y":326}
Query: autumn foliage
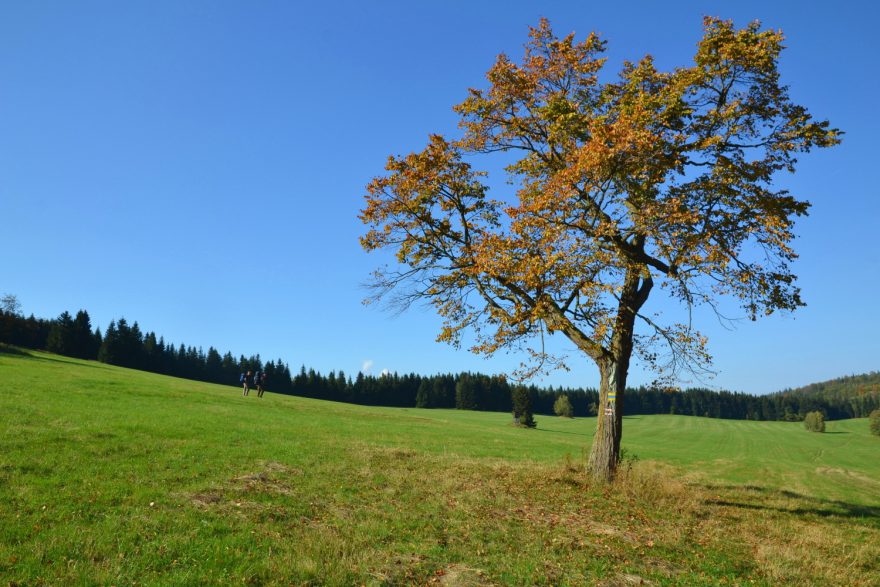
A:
{"x":655,"y":179}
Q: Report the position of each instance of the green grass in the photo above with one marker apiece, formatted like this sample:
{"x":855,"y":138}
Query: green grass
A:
{"x":111,"y":476}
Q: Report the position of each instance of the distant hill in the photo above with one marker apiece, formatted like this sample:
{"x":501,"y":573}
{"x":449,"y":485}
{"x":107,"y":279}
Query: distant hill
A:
{"x":844,"y":397}
{"x":846,"y":387}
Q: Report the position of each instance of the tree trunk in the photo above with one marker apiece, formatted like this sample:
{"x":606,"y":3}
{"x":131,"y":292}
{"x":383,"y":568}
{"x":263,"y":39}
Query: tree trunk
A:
{"x":605,"y":453}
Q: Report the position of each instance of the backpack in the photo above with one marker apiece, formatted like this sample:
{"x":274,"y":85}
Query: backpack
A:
{"x":242,"y":378}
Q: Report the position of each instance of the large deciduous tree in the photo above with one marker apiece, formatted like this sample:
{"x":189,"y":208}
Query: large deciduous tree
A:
{"x":655,"y":179}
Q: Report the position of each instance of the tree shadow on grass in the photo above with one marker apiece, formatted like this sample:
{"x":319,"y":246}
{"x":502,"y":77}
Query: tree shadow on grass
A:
{"x":585,"y":434}
{"x":63,"y":360}
{"x":768,"y":499}
{"x":6,"y":349}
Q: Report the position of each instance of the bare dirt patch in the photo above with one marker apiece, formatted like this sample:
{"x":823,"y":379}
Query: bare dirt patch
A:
{"x":273,"y":478}
{"x":460,"y":576}
{"x":207,"y":498}
{"x":625,"y":580}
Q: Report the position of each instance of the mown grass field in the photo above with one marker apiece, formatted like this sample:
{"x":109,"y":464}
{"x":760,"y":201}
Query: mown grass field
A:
{"x":117,"y":477}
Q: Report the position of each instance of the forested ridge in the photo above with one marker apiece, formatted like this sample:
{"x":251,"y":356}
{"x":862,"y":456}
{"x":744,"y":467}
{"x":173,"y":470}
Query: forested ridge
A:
{"x":840,"y":388}
{"x":126,"y":345}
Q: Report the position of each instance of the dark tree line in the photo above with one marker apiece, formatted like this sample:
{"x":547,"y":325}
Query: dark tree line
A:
{"x":30,"y":332}
{"x":126,"y":345}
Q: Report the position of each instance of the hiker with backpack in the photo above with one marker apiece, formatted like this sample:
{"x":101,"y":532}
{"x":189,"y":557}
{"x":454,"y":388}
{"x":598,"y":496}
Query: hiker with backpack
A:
{"x":245,"y":381}
{"x":261,"y":383}
{"x":257,"y":381}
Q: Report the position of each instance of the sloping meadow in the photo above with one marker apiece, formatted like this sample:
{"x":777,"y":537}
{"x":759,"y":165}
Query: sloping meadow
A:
{"x":111,"y":476}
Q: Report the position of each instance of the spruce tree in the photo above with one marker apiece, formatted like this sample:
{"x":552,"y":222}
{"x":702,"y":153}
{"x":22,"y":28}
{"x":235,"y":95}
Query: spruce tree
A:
{"x":438,"y":393}
{"x":109,"y":351}
{"x":285,"y":381}
{"x":151,"y":358}
{"x":522,"y":407}
{"x":230,"y":369}
{"x":423,"y":395}
{"x":465,"y":396}
{"x":61,"y":336}
{"x":214,"y":366}
{"x":84,"y":341}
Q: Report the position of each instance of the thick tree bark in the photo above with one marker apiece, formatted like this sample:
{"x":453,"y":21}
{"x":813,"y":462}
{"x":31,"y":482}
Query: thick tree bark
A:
{"x":605,"y":452}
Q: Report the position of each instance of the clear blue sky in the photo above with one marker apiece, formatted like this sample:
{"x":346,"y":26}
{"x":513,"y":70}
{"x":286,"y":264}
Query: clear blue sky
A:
{"x":199,"y":166}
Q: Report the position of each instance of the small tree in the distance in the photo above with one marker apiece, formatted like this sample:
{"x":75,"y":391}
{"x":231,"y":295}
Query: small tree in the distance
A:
{"x":815,"y":421}
{"x":875,"y":422}
{"x":522,"y":407}
{"x":655,"y":180}
{"x":562,"y":407}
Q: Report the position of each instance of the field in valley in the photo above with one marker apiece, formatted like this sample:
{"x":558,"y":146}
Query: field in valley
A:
{"x":119,"y":477}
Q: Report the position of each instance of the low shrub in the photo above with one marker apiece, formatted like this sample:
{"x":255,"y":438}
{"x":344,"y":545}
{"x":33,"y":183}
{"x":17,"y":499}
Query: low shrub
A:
{"x":815,"y":422}
{"x":562,"y":407}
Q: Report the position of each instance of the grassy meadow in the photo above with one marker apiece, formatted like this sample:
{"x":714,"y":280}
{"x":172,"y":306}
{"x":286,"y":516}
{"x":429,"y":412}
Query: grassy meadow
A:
{"x":117,"y":477}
